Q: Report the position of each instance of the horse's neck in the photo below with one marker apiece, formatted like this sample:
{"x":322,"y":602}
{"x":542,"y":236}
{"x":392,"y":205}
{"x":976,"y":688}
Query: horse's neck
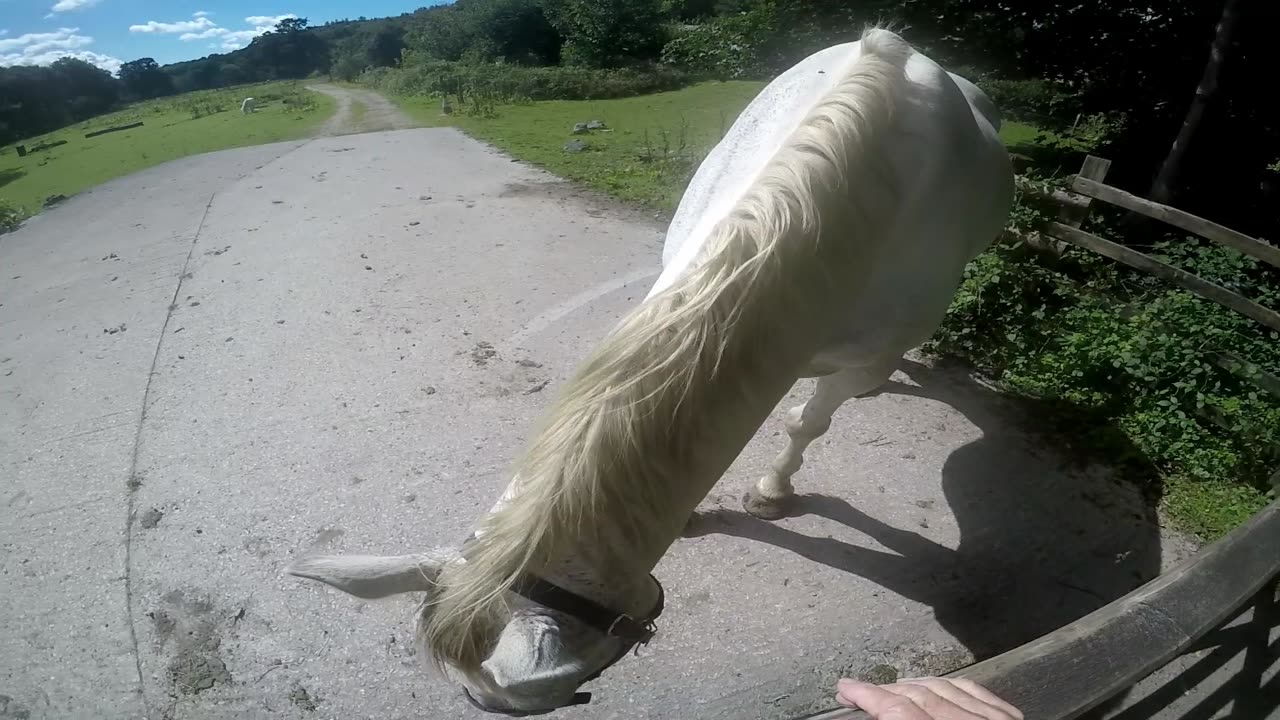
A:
{"x":727,"y":419}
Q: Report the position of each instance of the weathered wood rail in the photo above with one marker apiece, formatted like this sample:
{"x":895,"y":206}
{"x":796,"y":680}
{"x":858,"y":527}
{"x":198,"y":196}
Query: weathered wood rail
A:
{"x":1078,"y":667}
{"x":1088,"y":186}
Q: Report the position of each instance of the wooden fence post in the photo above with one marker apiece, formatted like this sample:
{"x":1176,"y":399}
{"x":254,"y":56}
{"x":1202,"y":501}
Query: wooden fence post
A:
{"x":1094,"y":168}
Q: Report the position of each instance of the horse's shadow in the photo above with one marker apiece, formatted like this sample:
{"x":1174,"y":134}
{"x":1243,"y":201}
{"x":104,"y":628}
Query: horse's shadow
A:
{"x":1041,"y":544}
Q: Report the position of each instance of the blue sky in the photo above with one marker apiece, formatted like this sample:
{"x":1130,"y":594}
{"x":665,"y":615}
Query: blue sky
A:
{"x":108,"y":32}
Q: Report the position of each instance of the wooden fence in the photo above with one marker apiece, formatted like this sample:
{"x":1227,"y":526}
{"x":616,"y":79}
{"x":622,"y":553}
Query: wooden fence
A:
{"x":1076,"y":668}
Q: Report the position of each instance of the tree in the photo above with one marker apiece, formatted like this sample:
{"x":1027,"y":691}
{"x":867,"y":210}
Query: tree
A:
{"x":1134,"y":62}
{"x":30,"y":102}
{"x":609,"y":33}
{"x":1163,"y":187}
{"x":348,"y":63}
{"x":386,"y":45}
{"x":289,"y":26}
{"x":517,"y":31}
{"x":443,"y":32}
{"x":88,"y":89}
{"x":231,"y":74}
{"x":289,"y":51}
{"x":143,"y":79}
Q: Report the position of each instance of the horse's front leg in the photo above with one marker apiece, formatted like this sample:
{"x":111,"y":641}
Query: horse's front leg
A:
{"x":770,"y":498}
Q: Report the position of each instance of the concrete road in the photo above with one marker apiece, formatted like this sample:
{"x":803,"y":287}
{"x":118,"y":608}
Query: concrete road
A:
{"x":213,"y":366}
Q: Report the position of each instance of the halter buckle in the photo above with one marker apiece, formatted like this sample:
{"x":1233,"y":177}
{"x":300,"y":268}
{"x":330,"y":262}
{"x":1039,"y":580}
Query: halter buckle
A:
{"x":614,"y":625}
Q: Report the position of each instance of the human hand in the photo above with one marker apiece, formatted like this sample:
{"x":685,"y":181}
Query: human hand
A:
{"x":925,"y":699}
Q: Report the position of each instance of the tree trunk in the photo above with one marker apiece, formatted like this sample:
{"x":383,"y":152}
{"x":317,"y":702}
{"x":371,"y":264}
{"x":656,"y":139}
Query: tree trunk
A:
{"x":1162,"y":188}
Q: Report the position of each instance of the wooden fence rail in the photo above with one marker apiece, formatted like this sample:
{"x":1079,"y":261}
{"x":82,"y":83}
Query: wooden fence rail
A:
{"x":1076,"y":668}
{"x":1269,"y":254}
{"x":1167,"y":272}
{"x":1088,"y":184}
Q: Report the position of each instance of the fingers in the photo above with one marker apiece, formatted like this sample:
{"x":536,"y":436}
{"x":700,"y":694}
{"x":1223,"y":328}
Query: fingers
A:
{"x":968,"y":695}
{"x":987,"y":696}
{"x":878,"y":702}
{"x":926,"y":699}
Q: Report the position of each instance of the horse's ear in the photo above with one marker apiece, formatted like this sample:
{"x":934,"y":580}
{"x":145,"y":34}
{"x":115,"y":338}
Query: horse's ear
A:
{"x":370,"y":576}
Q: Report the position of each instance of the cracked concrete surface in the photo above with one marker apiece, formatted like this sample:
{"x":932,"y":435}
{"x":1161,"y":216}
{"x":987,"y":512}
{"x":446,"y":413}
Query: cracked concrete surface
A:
{"x":334,"y":344}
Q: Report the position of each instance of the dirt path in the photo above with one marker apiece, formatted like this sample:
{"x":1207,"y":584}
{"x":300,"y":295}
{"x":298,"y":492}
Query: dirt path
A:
{"x":380,"y":113}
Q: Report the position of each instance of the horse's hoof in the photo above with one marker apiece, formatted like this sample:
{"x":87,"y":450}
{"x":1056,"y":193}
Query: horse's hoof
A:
{"x":764,"y":508}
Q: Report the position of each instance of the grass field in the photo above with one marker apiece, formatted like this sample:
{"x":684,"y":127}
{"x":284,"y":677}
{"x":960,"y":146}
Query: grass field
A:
{"x":653,"y":144}
{"x":358,"y":110}
{"x":173,"y":127}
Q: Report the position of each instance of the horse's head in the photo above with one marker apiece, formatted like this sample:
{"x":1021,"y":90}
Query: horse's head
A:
{"x":544,"y":643}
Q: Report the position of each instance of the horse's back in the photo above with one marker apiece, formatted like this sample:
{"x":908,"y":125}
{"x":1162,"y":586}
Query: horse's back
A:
{"x":957,"y":182}
{"x":729,"y":169}
{"x":955,"y":187}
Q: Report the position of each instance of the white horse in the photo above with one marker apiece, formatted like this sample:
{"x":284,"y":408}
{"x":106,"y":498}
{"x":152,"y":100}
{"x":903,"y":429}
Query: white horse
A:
{"x":248,"y":106}
{"x":823,"y":237}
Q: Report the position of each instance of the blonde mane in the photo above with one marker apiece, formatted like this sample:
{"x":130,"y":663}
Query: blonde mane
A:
{"x":609,"y":462}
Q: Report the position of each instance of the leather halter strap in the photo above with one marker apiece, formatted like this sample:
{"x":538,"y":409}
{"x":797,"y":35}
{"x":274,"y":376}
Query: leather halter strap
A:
{"x":607,"y":621}
{"x":633,"y":632}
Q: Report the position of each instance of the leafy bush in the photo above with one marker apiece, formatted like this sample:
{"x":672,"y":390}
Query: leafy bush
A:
{"x":1120,"y":351}
{"x":500,"y":82}
{"x":724,"y":48}
{"x":348,"y":66}
{"x":11,"y":216}
{"x":516,"y":31}
{"x":1037,"y":101}
{"x":608,"y":33}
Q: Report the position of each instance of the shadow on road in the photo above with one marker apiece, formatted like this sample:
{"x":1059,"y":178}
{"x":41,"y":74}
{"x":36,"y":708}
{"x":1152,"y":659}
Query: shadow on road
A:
{"x":1041,"y":544}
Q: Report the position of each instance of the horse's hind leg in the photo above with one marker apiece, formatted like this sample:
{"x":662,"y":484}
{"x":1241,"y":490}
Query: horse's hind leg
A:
{"x":772,"y":494}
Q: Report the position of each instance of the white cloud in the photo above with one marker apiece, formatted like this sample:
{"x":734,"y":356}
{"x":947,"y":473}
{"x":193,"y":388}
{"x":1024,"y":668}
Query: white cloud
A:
{"x":69,"y":5}
{"x":181,"y":26}
{"x":45,"y":48}
{"x":63,"y":39}
{"x":201,"y":13}
{"x":202,"y":28}
{"x":210,"y":33}
{"x":268,"y":21}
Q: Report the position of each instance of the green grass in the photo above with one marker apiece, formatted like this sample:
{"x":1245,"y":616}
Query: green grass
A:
{"x":654,"y":144}
{"x":1016,"y":133}
{"x":358,"y":110}
{"x":646,"y":156}
{"x":1210,"y":510}
{"x":174,"y":127}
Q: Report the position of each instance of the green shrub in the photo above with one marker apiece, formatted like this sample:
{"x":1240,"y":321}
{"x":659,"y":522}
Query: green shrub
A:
{"x":724,"y":48}
{"x":11,"y":216}
{"x":348,"y":66}
{"x":608,"y":33}
{"x":504,"y":83}
{"x":1037,"y":101}
{"x":1122,"y":352}
{"x":760,"y":40}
